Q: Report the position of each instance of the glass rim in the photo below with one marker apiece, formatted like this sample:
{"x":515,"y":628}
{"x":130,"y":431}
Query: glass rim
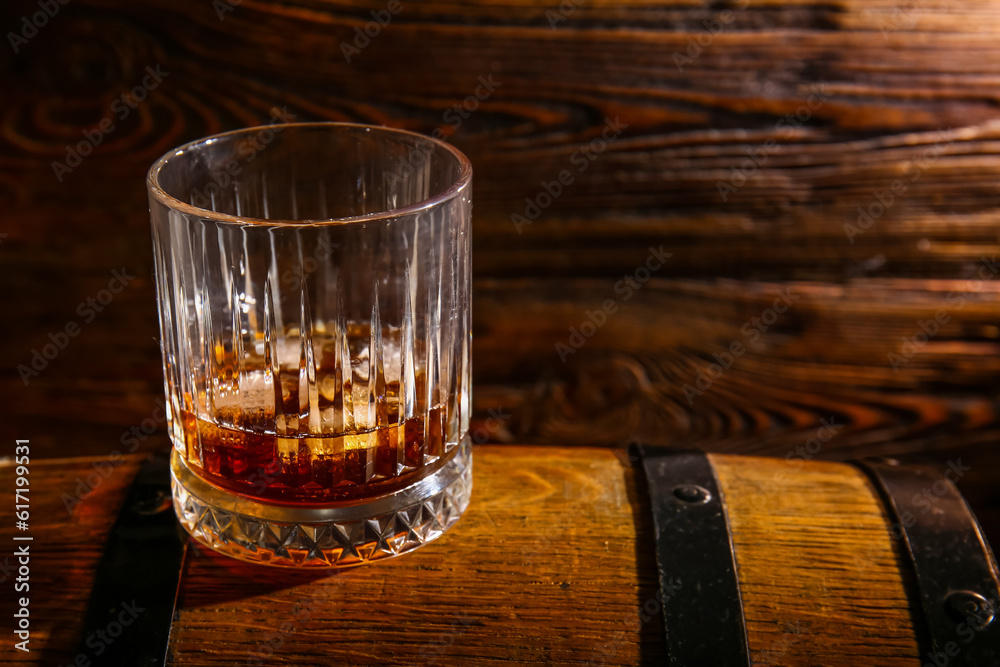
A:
{"x":168,"y":200}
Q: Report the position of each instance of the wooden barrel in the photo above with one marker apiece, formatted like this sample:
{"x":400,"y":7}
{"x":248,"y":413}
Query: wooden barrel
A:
{"x":555,"y":562}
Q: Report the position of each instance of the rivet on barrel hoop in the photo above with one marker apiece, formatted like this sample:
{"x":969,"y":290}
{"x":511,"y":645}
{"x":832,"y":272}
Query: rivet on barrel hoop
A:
{"x":703,"y":624}
{"x":972,"y":608}
{"x":956,"y":581}
{"x":692,"y":493}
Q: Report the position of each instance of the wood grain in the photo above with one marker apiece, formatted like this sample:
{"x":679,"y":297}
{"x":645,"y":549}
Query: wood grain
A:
{"x":551,"y":564}
{"x":68,"y":538}
{"x":820,"y":575}
{"x":653,"y":371}
{"x":541,"y":569}
{"x":904,"y":91}
{"x":909,"y":93}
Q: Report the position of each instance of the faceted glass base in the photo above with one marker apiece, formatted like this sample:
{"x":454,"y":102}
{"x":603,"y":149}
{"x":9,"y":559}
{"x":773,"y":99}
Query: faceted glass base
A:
{"x":323,"y":536}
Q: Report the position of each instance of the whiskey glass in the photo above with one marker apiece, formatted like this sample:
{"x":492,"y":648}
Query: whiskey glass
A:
{"x":313,"y":285}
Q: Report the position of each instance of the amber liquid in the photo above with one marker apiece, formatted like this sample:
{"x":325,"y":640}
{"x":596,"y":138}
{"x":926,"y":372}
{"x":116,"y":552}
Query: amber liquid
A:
{"x":233,"y":451}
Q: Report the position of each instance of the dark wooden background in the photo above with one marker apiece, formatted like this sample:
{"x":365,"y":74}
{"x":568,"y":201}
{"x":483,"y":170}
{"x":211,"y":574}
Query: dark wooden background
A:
{"x":899,"y":80}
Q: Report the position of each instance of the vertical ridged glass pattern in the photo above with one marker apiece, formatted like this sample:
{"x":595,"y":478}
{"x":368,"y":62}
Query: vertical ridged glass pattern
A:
{"x":314,"y":349}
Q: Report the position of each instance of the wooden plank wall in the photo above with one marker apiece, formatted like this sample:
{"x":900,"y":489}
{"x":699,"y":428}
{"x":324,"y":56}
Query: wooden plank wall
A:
{"x":740,"y":137}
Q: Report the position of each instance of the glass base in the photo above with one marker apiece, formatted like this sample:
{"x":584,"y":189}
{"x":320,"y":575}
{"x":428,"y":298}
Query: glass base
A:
{"x":323,"y":536}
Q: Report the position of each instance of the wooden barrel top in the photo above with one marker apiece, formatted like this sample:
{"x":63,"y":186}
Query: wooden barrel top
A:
{"x":552,"y":563}
{"x":545,"y":566}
